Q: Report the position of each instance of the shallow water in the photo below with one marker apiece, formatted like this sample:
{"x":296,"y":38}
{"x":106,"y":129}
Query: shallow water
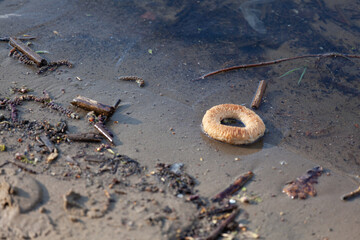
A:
{"x":310,"y":122}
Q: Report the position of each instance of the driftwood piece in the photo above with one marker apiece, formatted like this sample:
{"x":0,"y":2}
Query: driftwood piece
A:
{"x":36,"y":58}
{"x":84,"y":137}
{"x":351,"y":194}
{"x":92,"y":105}
{"x":239,"y":182}
{"x":259,"y":94}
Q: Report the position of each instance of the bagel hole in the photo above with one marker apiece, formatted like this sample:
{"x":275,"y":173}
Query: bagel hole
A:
{"x":232,"y":122}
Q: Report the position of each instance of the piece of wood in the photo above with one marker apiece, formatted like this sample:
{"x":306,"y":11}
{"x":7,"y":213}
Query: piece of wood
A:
{"x":219,"y":229}
{"x":351,"y":195}
{"x":259,"y":94}
{"x":239,"y":183}
{"x":261,"y":64}
{"x":36,"y":58}
{"x":92,"y":105}
{"x":84,"y":137}
{"x":6,"y":39}
{"x":108,"y":135}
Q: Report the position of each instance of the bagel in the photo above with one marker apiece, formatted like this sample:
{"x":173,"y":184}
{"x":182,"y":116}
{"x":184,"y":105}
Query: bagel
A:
{"x":253,"y":130}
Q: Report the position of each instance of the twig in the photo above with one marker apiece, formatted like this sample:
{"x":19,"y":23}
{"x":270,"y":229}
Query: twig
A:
{"x":261,"y":64}
{"x":227,"y":208}
{"x":21,"y":166}
{"x":239,"y":182}
{"x":92,"y":105}
{"x":217,"y":231}
{"x":259,"y":94}
{"x":84,"y":137}
{"x":351,"y":194}
{"x":104,"y":131}
{"x":138,"y":80}
{"x":36,"y":58}
{"x":6,"y":39}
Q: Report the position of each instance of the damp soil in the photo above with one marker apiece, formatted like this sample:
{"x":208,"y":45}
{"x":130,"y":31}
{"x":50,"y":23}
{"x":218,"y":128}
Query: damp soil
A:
{"x":312,"y":119}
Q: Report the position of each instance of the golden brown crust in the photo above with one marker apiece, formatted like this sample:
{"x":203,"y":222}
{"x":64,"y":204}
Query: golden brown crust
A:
{"x":253,"y":130}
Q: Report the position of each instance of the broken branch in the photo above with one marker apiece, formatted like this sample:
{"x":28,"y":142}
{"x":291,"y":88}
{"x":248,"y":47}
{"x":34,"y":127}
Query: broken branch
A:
{"x":106,"y":133}
{"x":259,"y":94}
{"x":6,"y":39}
{"x":261,"y":64}
{"x":36,"y":58}
{"x":217,"y":231}
{"x":351,"y":194}
{"x":84,"y":137}
{"x":92,"y":105}
{"x":239,"y":182}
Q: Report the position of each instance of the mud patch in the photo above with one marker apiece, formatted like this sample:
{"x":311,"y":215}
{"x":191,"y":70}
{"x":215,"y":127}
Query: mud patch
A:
{"x":19,"y":196}
{"x":93,"y":206}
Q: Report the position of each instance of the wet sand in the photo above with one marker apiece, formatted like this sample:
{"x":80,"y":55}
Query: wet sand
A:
{"x":169,"y":45}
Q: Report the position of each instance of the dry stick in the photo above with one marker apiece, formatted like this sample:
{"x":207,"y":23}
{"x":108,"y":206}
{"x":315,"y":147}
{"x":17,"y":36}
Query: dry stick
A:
{"x":277,"y":61}
{"x":23,"y":167}
{"x":228,"y":208}
{"x":101,"y":128}
{"x":351,"y":195}
{"x":92,"y":105}
{"x":84,"y":137}
{"x":6,"y":39}
{"x":259,"y":94}
{"x":217,"y":231}
{"x":38,"y":60}
{"x":239,"y":182}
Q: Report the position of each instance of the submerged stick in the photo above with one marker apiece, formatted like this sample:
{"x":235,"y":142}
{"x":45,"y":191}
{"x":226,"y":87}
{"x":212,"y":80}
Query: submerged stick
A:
{"x":351,"y":194}
{"x":259,"y":94}
{"x":239,"y":182}
{"x":217,"y":231}
{"x":92,"y":105}
{"x":36,"y":58}
{"x":261,"y":64}
{"x":84,"y":137}
{"x":6,"y":39}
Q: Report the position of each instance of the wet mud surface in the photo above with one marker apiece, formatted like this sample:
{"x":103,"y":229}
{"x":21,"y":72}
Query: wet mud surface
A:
{"x":162,"y":170}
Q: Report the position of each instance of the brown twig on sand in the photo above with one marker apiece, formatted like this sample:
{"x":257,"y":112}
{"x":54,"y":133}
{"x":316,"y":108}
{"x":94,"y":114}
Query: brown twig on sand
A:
{"x":217,"y":231}
{"x":351,"y":194}
{"x":22,"y":167}
{"x":261,"y":64}
{"x":33,"y":56}
{"x":92,"y":105}
{"x":239,"y":182}
{"x":259,"y":94}
{"x":84,"y":137}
